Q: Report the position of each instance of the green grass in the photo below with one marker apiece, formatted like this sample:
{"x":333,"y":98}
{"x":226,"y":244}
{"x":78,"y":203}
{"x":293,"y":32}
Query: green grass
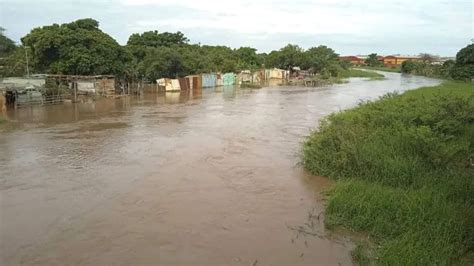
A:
{"x":404,"y":166}
{"x":361,"y":74}
{"x":382,"y":68}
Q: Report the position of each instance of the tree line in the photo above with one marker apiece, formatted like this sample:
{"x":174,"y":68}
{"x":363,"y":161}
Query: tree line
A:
{"x":82,"y":48}
{"x":460,"y":69}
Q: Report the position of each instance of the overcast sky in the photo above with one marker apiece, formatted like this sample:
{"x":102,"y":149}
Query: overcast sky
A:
{"x":348,"y":26}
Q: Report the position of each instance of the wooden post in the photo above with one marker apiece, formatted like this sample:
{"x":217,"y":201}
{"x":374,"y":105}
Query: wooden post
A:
{"x":74,"y":84}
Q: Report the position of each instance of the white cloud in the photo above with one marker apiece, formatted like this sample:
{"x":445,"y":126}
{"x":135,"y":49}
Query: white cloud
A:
{"x":405,"y":26}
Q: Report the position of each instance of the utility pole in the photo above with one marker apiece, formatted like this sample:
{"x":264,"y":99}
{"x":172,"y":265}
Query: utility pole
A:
{"x":27,"y":64}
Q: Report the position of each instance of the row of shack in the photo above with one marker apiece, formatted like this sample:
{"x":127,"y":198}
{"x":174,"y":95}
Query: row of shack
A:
{"x":218,"y":79}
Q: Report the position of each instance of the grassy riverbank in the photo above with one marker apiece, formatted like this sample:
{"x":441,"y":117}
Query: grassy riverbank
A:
{"x":357,"y":73}
{"x":404,"y":166}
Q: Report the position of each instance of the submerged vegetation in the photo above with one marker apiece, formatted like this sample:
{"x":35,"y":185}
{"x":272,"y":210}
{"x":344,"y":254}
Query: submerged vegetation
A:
{"x":404,"y":166}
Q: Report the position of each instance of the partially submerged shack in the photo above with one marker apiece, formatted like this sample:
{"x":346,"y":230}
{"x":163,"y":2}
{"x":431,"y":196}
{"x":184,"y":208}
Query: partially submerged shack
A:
{"x":209,"y":80}
{"x":228,"y":79}
{"x":20,"y":91}
{"x":169,"y":84}
{"x":276,"y":73}
{"x":99,"y":84}
{"x":194,"y":81}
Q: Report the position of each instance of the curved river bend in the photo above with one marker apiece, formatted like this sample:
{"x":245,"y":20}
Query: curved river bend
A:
{"x":170,"y":179}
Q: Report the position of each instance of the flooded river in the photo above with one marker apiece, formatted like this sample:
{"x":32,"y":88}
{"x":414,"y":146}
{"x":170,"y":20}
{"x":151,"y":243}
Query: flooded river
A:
{"x":171,"y":179}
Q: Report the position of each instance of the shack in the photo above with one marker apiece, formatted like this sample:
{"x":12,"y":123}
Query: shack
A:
{"x":21,"y":91}
{"x":244,"y":76}
{"x":276,"y":73}
{"x":22,"y":82}
{"x":209,"y":80}
{"x":228,"y":79}
{"x":219,"y":81}
{"x":100,"y":84}
{"x":194,"y":81}
{"x":169,"y":84}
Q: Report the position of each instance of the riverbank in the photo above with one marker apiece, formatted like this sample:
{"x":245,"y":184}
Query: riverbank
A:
{"x":358,"y":73}
{"x":318,"y":81}
{"x":382,"y":68}
{"x":404,"y":171}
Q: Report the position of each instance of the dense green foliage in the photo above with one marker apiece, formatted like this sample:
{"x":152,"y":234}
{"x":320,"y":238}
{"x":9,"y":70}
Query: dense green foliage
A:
{"x":320,"y":59}
{"x":461,"y":69}
{"x":6,"y":44}
{"x":79,"y":47}
{"x":425,"y":68}
{"x":155,"y":39}
{"x":372,"y":61}
{"x":404,"y":166}
{"x":12,"y":58}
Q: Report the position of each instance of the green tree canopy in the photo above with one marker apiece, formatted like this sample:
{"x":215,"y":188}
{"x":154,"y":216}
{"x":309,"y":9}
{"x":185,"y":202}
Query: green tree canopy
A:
{"x":373,"y":61}
{"x":78,"y":48}
{"x":7,"y":45}
{"x":464,"y":67}
{"x":289,"y":56}
{"x":247,"y":58}
{"x":321,"y":58}
{"x":156,"y":39}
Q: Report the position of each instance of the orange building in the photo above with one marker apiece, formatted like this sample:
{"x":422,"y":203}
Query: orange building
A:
{"x":393,"y":60}
{"x":357,"y":61}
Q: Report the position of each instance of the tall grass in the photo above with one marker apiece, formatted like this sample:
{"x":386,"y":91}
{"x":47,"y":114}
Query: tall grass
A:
{"x":405,"y":169}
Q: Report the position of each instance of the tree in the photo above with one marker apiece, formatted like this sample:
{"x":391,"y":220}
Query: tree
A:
{"x":373,"y":61}
{"x":7,"y":45}
{"x":77,"y":48}
{"x":155,"y":39}
{"x":410,"y":67}
{"x":160,"y":62}
{"x":288,"y":56}
{"x":11,"y":61}
{"x":322,"y":58}
{"x":427,"y":58}
{"x":463,"y":69}
{"x":247,"y":58}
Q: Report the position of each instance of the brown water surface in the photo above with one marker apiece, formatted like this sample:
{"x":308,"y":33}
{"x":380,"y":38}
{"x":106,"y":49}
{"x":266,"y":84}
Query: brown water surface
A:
{"x":210,"y":178}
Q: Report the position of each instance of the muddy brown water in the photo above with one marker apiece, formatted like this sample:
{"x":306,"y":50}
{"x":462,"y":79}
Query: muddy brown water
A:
{"x":171,"y":179}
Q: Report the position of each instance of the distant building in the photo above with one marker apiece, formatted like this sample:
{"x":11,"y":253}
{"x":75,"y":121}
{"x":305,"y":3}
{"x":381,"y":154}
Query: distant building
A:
{"x":355,"y":60}
{"x":394,"y":60}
